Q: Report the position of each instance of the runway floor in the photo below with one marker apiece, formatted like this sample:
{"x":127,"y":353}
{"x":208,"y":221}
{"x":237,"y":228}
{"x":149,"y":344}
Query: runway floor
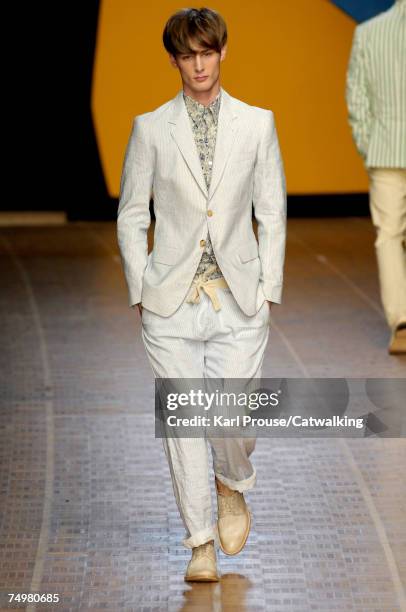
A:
{"x":87,"y":509}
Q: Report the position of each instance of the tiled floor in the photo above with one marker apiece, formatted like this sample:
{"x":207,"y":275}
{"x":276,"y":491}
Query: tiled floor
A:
{"x":87,"y":509}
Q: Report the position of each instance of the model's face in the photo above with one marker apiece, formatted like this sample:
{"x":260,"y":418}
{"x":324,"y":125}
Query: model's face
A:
{"x":202,"y":62}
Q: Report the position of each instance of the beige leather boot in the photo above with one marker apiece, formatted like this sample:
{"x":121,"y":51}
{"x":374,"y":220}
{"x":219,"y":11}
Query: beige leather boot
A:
{"x":233,"y":519}
{"x":202,"y":567}
{"x":397,"y":345}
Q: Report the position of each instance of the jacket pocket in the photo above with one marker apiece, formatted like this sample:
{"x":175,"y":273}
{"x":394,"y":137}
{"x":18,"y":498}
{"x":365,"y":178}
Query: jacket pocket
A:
{"x":165,"y":255}
{"x":248,"y":251}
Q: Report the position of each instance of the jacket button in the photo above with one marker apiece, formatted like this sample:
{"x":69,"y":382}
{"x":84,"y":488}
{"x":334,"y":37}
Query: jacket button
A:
{"x":202,"y":243}
{"x":209,"y":213}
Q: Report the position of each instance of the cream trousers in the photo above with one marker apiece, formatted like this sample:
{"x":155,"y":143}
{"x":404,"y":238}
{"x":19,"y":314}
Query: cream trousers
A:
{"x":198,"y":341}
{"x":387,"y":198}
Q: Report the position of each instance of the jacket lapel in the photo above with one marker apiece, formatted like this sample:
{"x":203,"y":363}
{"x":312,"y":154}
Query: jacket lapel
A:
{"x":181,"y":131}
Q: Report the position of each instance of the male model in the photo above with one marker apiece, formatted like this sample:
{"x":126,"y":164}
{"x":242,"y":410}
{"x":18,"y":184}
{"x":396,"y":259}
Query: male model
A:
{"x":205,"y":290}
{"x":376,"y":100}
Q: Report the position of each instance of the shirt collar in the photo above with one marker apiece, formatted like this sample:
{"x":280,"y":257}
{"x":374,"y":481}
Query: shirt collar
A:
{"x":196,"y":108}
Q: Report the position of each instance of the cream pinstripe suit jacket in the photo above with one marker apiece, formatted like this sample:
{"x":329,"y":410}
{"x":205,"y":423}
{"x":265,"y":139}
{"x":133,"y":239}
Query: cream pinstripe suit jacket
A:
{"x":161,"y":161}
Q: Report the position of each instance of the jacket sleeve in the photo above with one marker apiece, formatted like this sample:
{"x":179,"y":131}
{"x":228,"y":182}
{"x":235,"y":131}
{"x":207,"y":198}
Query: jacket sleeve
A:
{"x":358,"y":96}
{"x":133,"y":216}
{"x":270,"y":209}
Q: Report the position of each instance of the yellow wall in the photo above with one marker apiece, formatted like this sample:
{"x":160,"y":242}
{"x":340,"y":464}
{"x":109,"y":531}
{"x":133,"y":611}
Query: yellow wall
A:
{"x":290,"y":56}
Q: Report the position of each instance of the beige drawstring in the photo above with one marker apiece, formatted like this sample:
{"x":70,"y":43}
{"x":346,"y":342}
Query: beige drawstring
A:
{"x":209,"y":286}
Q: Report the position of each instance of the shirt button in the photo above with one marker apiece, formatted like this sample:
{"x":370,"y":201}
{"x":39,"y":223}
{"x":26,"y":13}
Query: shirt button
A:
{"x":210,"y":163}
{"x":209,"y":213}
{"x":202,"y":243}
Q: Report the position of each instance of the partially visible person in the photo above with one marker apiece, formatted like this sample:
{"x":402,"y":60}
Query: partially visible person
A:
{"x":376,"y":101}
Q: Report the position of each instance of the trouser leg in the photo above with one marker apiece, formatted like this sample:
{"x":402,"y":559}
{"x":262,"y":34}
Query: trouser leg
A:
{"x":388,"y":212}
{"x":188,"y":465}
{"x":236,"y":350}
{"x":175,"y":351}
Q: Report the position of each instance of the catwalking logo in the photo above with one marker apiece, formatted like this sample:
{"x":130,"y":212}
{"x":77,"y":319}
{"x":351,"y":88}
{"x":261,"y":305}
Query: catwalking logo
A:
{"x":253,"y":400}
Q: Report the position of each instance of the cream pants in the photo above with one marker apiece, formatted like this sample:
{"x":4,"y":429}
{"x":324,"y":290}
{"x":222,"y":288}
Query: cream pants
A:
{"x":387,"y":198}
{"x":198,"y":341}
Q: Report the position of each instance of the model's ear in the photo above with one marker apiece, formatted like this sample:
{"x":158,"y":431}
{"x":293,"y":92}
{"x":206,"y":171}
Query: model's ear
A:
{"x":172,"y":60}
{"x":223,"y":52}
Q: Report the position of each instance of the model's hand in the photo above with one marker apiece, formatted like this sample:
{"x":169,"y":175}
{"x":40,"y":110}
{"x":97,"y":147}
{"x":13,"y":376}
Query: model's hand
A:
{"x":140,"y":308}
{"x":269,"y":303}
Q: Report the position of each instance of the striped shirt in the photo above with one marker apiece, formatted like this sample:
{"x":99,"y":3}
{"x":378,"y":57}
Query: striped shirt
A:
{"x":376,"y":88}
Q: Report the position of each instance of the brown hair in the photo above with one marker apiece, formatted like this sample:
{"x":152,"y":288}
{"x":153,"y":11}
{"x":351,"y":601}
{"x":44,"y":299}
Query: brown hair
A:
{"x":204,"y":26}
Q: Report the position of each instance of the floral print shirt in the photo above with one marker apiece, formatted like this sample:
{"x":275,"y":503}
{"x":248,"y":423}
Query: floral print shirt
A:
{"x":204,"y":125}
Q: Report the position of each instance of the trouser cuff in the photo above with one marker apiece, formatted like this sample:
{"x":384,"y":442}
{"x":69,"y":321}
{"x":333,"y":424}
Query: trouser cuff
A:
{"x":239,"y":485}
{"x":201,"y":537}
{"x":400,"y":321}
